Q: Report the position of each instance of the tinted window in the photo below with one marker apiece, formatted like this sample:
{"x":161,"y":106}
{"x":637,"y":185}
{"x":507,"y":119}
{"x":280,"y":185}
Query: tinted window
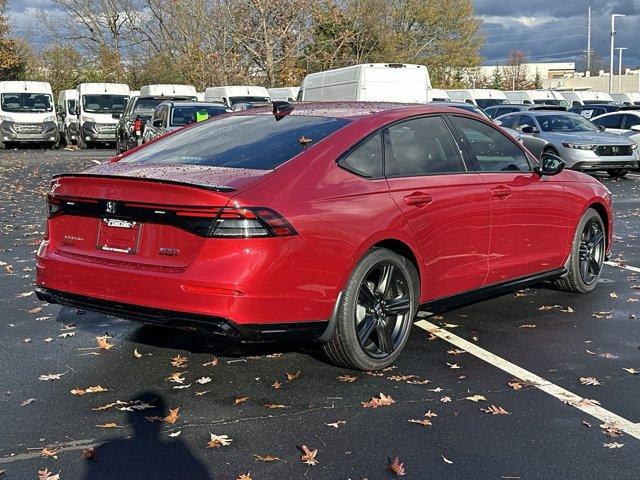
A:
{"x":184,"y":115}
{"x":71,"y":106}
{"x":525,"y":120}
{"x":565,"y":123}
{"x":240,"y":141}
{"x":610,"y":121}
{"x":104,"y":103}
{"x":508,"y":120}
{"x":494,"y":151}
{"x":145,"y":106}
{"x":366,"y":160}
{"x":420,"y":147}
{"x":249,"y":99}
{"x":630,"y":121}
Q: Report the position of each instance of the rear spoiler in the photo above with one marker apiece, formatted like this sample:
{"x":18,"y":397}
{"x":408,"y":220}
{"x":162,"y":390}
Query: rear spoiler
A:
{"x":215,"y":188}
{"x":549,"y":107}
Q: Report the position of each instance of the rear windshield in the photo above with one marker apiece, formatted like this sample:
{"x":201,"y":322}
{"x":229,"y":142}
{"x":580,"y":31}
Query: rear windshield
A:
{"x":255,"y":142}
{"x":489,"y":102}
{"x":249,"y":99}
{"x":184,"y":115}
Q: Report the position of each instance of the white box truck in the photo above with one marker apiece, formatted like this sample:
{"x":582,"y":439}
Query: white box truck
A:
{"x":370,"y":82}
{"x":238,"y":96}
{"x":67,"y":119}
{"x":99,"y":108}
{"x":284,"y":94}
{"x":536,"y":97}
{"x":632,"y":98}
{"x":27,"y":113}
{"x":169,"y":90}
{"x":481,"y":97}
{"x":586,"y":97}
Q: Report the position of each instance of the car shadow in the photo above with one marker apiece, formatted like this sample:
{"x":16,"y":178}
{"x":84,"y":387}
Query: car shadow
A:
{"x":147,"y":453}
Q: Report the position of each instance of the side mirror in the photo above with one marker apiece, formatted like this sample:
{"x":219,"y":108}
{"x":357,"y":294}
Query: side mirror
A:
{"x":529,"y":129}
{"x":635,"y":128}
{"x":601,"y":128}
{"x":77,"y":111}
{"x":550,"y":164}
{"x":116,"y":116}
{"x":282,"y":109}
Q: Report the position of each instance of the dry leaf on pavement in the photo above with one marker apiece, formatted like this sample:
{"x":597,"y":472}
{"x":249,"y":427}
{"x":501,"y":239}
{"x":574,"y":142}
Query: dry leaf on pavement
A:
{"x":476,"y":398}
{"x":217,"y":441}
{"x":89,"y":453}
{"x":47,"y":475}
{"x":176,"y":377}
{"x":611,"y":429}
{"x":309,"y":456}
{"x":384,"y":400}
{"x":82,"y":391}
{"x":179,"y":361}
{"x":347,"y":378}
{"x":245,"y":476}
{"x":493,"y":410}
{"x":109,"y":425}
{"x":397,"y":468}
{"x":424,"y":422}
{"x":173,"y":415}
{"x":212,"y":363}
{"x":51,"y":376}
{"x":49,"y":453}
{"x":589,"y":381}
{"x":632,"y":371}
{"x":240,"y":400}
{"x":613,"y":445}
{"x":293,"y":376}
{"x":446,"y":460}
{"x":336,"y":424}
{"x":103,"y":343}
{"x":268,"y":458}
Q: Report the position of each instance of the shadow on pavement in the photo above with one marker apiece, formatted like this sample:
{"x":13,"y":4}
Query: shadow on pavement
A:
{"x":147,"y":454}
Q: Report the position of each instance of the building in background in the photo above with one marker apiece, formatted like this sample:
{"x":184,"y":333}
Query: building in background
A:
{"x":544,"y":70}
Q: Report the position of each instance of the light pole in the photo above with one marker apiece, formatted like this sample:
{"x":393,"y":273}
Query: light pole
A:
{"x":620,"y":49}
{"x":613,"y":41}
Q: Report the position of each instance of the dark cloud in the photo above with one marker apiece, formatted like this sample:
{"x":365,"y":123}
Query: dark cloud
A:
{"x":549,"y":30}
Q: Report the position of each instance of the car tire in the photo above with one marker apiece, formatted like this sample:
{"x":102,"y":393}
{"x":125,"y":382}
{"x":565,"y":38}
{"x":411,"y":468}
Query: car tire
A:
{"x":617,"y":173}
{"x":587,"y":255}
{"x":371,"y":338}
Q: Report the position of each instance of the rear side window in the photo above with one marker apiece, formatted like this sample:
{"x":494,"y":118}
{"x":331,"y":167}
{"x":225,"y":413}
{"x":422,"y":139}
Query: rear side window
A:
{"x":508,"y":120}
{"x":422,"y":146}
{"x":494,"y":151}
{"x":242,"y":141}
{"x":366,"y":159}
{"x":630,"y":121}
{"x":610,"y":121}
{"x":525,"y":121}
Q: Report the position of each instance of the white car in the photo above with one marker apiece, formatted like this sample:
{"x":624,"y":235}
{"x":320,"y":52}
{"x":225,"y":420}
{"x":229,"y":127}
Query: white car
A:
{"x":624,"y":122}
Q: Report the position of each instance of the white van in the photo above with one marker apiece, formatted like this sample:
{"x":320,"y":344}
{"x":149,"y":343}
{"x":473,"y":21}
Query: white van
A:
{"x":536,"y":97}
{"x":169,"y":90}
{"x":238,"y":95}
{"x":67,"y":119}
{"x":370,"y":82}
{"x":481,"y":97}
{"x":587,"y":97}
{"x":27,"y":113}
{"x":626,"y":98}
{"x":99,"y":108}
{"x":284,"y":94}
{"x":200,"y":96}
{"x":438,"y":95}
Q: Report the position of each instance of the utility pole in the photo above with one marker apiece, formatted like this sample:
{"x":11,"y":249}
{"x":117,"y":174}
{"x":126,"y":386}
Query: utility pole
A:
{"x":589,"y":40}
{"x":620,"y":49}
{"x":613,"y":44}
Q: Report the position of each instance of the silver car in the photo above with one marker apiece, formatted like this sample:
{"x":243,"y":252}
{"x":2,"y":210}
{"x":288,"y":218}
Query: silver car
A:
{"x":171,"y":115}
{"x":581,"y":144}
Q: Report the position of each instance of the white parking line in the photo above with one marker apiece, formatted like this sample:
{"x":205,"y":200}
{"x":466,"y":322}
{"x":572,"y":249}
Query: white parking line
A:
{"x":626,"y":267}
{"x":546,"y":386}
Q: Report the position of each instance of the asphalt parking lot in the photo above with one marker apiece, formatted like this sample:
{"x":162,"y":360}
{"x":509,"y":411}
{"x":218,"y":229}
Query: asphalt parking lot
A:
{"x":271,"y":400}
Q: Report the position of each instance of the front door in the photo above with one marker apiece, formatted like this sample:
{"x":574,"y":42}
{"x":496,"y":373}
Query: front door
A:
{"x":446,"y":206}
{"x":529,"y":213}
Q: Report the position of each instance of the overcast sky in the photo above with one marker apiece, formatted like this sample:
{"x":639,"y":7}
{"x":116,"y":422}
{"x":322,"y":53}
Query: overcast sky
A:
{"x":546,"y":30}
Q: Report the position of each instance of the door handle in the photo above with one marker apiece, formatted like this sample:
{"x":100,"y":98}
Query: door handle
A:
{"x":418,"y":199}
{"x":501,"y":191}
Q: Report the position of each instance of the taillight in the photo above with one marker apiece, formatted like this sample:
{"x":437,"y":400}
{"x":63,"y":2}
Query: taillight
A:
{"x":53,"y":205}
{"x":250,"y":223}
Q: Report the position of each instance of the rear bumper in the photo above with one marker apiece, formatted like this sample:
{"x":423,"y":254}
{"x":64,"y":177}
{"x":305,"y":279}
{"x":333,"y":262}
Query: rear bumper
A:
{"x":168,"y":318}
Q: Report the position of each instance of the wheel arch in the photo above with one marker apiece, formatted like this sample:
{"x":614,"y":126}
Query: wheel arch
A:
{"x":604,"y":214}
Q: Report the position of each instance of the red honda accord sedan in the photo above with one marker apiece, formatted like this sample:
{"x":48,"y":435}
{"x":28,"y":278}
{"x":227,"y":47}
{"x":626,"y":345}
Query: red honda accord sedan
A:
{"x":334,"y":223}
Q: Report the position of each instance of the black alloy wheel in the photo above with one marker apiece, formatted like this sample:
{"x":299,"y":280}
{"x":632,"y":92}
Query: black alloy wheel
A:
{"x":591,"y":251}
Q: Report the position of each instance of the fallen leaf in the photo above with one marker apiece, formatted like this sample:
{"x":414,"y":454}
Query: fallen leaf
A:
{"x":528,"y":325}
{"x":446,"y":460}
{"x":613,"y":295}
{"x":402,"y":378}
{"x":293,"y":376}
{"x":47,"y":475}
{"x":173,"y":416}
{"x":49,"y":453}
{"x":613,"y":445}
{"x":424,"y":421}
{"x":430,"y":414}
{"x":175,"y":434}
{"x":274,"y":406}
{"x":309,"y":456}
{"x":336,"y":424}
{"x":28,"y":401}
{"x":176,"y":377}
{"x":109,"y":425}
{"x":67,"y":334}
{"x":81,"y":391}
{"x":397,"y":468}
{"x":103,"y":343}
{"x":35,"y":310}
{"x":245,"y":476}
{"x":268,"y":458}
{"x":589,"y":381}
{"x":493,"y":410}
{"x":25,"y":294}
{"x":375,"y":402}
{"x":476,"y":398}
{"x":632,"y":371}
{"x":453,"y":366}
{"x":51,"y":376}
{"x":240,"y":400}
{"x":611,"y":429}
{"x":136,"y":354}
{"x":180,"y":387}
{"x":304,"y":140}
{"x":89,"y":453}
{"x":179,"y":361}
{"x":445,"y":399}
{"x":418,"y":382}
{"x":276,"y":385}
{"x":347,"y":378}
{"x":456,"y":351}
{"x":212,"y":363}
{"x":545,"y":308}
{"x":203,"y":380}
{"x":218,"y":441}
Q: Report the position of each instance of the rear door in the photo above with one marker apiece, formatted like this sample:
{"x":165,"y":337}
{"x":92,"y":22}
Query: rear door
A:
{"x":529,"y":213}
{"x":445,"y":204}
{"x":611,"y":123}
